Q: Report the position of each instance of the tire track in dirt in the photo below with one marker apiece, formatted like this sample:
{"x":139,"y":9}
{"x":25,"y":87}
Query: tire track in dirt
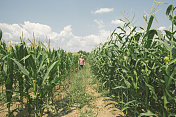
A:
{"x":103,"y":104}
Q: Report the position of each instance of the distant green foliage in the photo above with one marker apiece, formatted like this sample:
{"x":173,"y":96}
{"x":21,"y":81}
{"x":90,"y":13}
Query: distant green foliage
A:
{"x":83,"y":53}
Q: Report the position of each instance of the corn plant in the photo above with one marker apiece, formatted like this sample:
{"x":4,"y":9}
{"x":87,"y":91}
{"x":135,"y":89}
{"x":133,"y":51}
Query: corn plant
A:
{"x":0,"y":34}
{"x":31,"y":74}
{"x":139,"y":68}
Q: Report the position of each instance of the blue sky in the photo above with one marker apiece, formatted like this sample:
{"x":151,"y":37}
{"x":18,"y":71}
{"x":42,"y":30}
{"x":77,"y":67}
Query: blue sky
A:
{"x":72,"y":24}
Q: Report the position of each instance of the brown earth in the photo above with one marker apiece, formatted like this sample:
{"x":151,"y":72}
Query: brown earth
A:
{"x":100,"y":107}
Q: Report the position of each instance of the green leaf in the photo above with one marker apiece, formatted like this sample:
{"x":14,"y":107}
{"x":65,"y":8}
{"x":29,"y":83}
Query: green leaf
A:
{"x":165,"y":43}
{"x":169,"y":10}
{"x":49,"y":70}
{"x":147,"y":114}
{"x":41,"y":64}
{"x":130,"y":102}
{"x":168,"y":34}
{"x":124,"y":108}
{"x":120,"y":87}
{"x":121,"y":29}
{"x":172,"y":61}
{"x":150,"y":22}
{"x":5,"y":69}
{"x":21,"y":67}
{"x":150,"y":35}
{"x":127,"y":24}
{"x":173,"y":73}
{"x":0,"y":34}
{"x":26,"y":57}
{"x":104,"y":83}
{"x":151,"y":88}
{"x":127,"y":83}
{"x":174,"y":21}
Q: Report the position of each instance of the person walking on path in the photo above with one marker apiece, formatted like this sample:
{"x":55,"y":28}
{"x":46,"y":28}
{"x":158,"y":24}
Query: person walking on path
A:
{"x":81,"y":62}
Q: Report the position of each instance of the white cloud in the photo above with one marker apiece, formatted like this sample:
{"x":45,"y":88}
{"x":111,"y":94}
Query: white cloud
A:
{"x":117,"y":22}
{"x":103,"y":10}
{"x":100,"y":23}
{"x":64,"y":39}
{"x":67,"y":32}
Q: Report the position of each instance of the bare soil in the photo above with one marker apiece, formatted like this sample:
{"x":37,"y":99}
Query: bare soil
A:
{"x":100,"y":107}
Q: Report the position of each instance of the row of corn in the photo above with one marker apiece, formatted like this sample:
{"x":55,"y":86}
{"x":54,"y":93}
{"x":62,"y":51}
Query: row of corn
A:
{"x":139,"y":68}
{"x":31,"y":73}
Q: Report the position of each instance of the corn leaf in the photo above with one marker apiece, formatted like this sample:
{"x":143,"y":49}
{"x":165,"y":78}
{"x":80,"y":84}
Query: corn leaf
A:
{"x":150,"y":22}
{"x":151,"y":88}
{"x":169,"y":10}
{"x":147,"y":114}
{"x":21,"y":67}
{"x":49,"y":70}
{"x":0,"y":34}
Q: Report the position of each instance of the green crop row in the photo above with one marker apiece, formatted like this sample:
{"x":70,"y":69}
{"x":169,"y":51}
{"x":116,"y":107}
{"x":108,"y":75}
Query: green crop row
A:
{"x":139,"y":68}
{"x":31,"y":73}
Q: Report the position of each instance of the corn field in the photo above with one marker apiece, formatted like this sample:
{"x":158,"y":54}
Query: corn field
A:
{"x":31,"y":73}
{"x":139,"y":68}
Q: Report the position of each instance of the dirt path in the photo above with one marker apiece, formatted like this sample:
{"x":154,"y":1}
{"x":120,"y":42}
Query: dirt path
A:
{"x":99,"y":107}
{"x":101,"y":104}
